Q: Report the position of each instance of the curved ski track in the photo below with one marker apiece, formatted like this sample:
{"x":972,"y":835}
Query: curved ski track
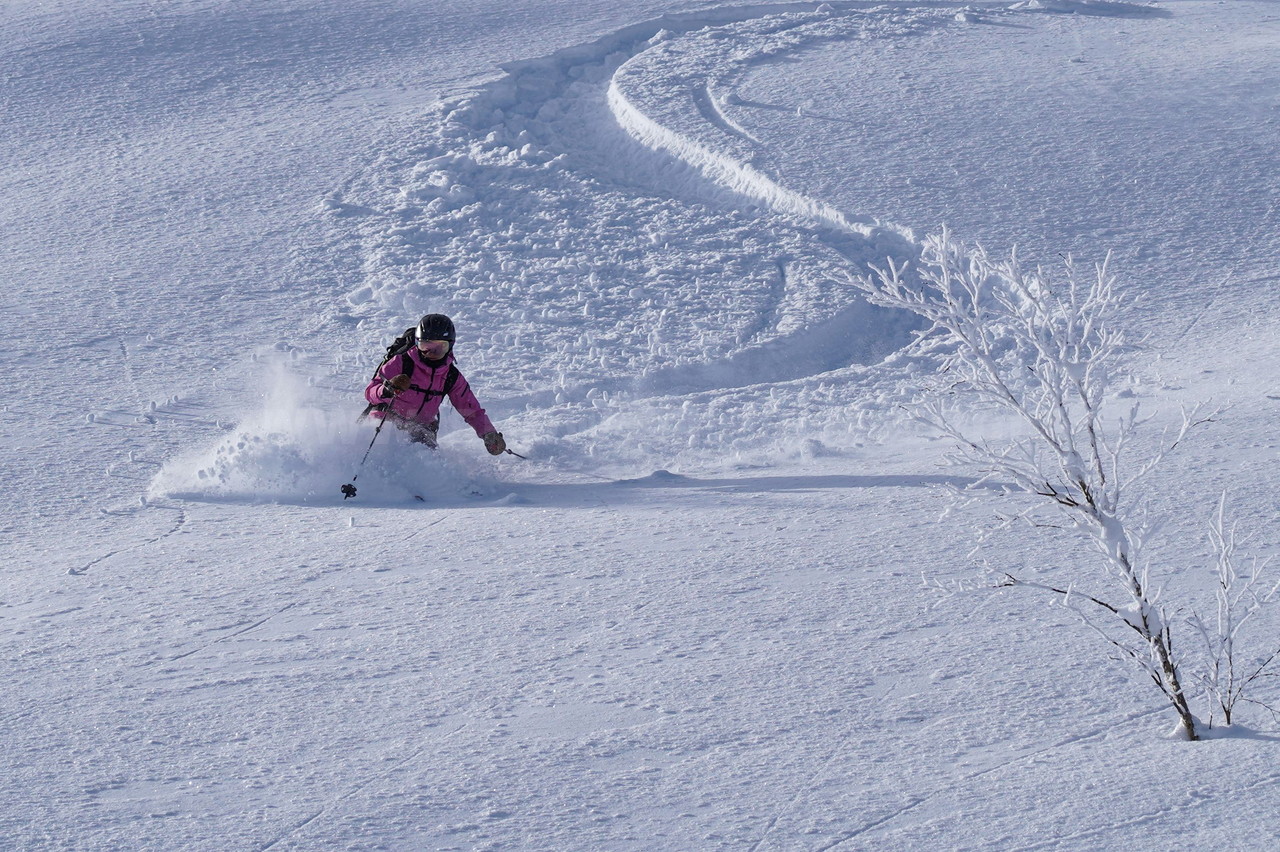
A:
{"x":613,"y":239}
{"x":586,"y":117}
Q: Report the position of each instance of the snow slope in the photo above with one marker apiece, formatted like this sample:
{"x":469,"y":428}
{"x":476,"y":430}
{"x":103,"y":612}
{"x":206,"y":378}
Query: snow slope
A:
{"x":694,"y":618}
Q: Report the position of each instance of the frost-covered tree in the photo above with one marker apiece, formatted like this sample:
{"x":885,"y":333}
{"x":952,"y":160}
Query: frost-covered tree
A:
{"x":1049,"y":352}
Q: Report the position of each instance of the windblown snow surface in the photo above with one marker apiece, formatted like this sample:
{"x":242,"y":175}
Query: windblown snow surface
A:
{"x":704,"y":613}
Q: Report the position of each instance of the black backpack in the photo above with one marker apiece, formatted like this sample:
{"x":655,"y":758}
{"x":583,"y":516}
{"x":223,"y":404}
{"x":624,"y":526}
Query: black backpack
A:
{"x":400,"y":345}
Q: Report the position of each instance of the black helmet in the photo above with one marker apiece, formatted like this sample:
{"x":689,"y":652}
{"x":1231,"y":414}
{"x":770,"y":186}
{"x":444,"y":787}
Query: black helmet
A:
{"x":436,"y":327}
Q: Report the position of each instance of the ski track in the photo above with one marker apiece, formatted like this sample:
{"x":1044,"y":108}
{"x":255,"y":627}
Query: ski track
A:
{"x":254,"y":626}
{"x":177,"y":525}
{"x":363,"y":784}
{"x":834,"y":754}
{"x":629,"y":130}
{"x":789,"y":807}
{"x":516,"y":129}
{"x":126,"y":358}
{"x":1073,"y":841}
{"x":356,"y":788}
{"x":917,"y":801}
{"x":708,"y":109}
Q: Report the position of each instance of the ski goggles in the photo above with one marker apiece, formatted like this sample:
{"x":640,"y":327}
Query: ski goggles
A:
{"x":434,"y":349}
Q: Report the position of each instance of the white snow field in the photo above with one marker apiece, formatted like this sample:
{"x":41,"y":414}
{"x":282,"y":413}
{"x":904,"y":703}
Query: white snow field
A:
{"x":694,"y":617}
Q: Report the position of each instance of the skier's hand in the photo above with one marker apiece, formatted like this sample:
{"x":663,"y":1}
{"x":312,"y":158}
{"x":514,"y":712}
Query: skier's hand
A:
{"x":395,"y":386}
{"x":494,"y":444}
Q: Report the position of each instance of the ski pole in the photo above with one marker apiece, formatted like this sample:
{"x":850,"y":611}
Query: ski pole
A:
{"x":517,"y":455}
{"x":349,"y":490}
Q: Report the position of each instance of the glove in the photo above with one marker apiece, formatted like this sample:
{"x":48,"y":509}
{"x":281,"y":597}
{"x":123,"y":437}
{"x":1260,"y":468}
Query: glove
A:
{"x":396,"y":386}
{"x":494,"y":444}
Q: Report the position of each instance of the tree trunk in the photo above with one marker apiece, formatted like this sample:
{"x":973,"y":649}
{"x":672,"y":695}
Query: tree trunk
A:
{"x":1173,"y":688}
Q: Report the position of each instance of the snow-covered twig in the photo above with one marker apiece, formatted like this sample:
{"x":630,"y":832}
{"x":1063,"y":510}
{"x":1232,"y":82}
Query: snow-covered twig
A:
{"x":1239,"y":597}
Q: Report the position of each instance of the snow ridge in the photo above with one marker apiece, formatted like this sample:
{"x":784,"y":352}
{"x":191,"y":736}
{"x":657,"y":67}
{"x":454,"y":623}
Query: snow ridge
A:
{"x":739,"y":177}
{"x":742,"y":178}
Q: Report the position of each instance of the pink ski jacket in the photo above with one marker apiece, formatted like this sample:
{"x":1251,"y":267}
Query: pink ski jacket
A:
{"x":421,"y":401}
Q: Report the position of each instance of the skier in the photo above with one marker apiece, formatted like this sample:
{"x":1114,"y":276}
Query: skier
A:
{"x":409,"y":386}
